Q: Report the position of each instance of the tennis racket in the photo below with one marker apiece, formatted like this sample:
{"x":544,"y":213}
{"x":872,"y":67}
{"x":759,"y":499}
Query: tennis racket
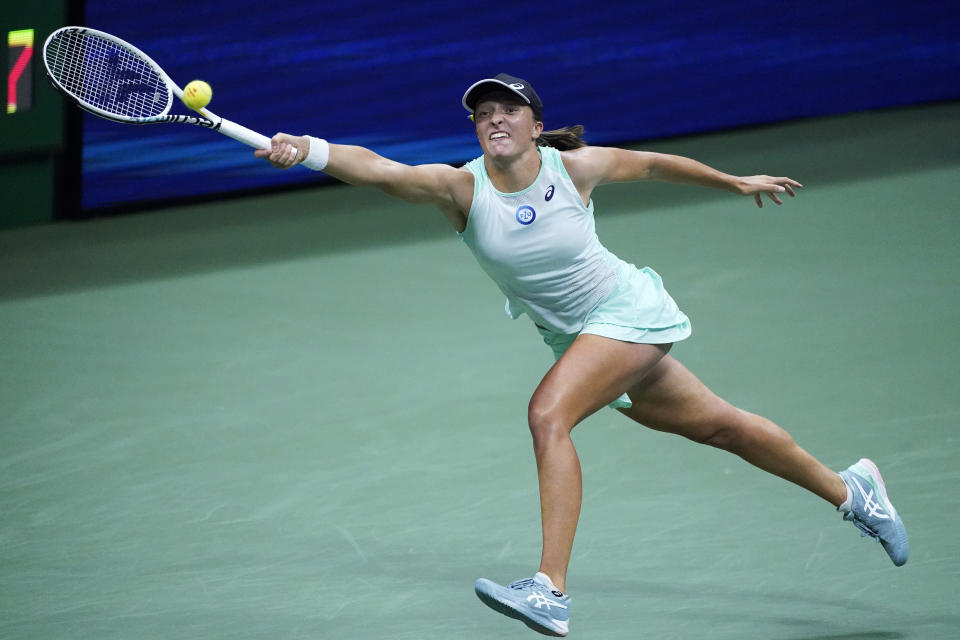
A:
{"x":110,"y":78}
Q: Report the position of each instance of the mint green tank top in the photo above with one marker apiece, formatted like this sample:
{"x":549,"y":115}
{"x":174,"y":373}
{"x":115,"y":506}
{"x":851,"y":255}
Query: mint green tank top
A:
{"x":540,"y":246}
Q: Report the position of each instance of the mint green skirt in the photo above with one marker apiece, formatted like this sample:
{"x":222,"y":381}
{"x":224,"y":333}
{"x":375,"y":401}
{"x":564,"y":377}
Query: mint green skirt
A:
{"x":639,"y":310}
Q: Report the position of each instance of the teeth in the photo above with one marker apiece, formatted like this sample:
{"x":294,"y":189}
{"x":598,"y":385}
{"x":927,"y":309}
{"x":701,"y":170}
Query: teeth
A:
{"x":500,"y":134}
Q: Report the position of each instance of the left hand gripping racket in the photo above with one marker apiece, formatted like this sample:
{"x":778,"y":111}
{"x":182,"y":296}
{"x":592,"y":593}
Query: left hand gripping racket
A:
{"x":112,"y":79}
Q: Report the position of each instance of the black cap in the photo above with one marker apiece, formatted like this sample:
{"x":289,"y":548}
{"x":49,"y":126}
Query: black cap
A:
{"x":503,"y":81}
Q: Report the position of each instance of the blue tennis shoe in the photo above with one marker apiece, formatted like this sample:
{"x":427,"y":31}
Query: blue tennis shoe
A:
{"x":871,"y":510}
{"x":535,"y":601}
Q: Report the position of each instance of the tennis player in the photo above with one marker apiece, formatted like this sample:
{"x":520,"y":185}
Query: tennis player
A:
{"x":524,"y":209}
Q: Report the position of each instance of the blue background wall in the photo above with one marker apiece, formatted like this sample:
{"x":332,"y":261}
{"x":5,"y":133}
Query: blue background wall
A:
{"x":390,"y":75}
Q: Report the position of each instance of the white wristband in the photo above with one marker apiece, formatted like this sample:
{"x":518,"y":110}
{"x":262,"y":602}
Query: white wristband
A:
{"x":318,"y":155}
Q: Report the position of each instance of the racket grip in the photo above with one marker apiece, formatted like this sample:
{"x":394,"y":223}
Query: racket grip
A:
{"x":244,"y":135}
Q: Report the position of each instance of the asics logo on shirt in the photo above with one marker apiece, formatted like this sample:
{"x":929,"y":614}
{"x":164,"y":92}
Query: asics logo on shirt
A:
{"x":549,"y":195}
{"x":873,"y":508}
{"x":526,"y":215}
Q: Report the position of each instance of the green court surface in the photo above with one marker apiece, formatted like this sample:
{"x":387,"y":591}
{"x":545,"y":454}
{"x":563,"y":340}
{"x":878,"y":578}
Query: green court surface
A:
{"x":303,"y":415}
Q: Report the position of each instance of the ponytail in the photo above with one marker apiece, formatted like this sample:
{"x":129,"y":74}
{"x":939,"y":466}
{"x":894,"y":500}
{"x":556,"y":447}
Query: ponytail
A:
{"x":563,"y":139}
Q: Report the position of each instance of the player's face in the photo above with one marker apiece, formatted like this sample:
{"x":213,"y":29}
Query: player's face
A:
{"x":505,"y":125}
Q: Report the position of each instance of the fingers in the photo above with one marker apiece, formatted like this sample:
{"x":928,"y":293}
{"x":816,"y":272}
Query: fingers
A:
{"x":759,"y":185}
{"x":784,"y":185}
{"x":282,"y":153}
{"x":788,"y":185}
{"x":771,"y":190}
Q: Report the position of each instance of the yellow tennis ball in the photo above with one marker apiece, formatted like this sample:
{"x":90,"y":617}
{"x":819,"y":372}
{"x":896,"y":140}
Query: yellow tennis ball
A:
{"x":197,"y":94}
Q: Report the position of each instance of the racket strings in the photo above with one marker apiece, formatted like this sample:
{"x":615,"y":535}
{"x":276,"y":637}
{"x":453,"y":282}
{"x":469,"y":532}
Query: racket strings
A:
{"x":106,"y":75}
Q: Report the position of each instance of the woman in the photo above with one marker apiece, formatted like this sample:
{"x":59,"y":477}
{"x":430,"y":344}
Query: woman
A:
{"x":524,"y":209}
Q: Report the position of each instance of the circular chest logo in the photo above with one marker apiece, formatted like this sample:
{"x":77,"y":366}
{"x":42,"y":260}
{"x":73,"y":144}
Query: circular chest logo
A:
{"x":526,"y":214}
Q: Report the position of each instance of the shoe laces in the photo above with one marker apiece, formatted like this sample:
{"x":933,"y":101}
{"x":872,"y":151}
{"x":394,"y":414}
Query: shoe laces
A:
{"x":526,"y":583}
{"x":865,"y":529}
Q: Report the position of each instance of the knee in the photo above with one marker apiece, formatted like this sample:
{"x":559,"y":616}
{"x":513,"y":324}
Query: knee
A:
{"x":547,"y":424}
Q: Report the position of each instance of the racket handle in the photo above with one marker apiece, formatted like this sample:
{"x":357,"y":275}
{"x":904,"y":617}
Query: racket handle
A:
{"x":244,"y":135}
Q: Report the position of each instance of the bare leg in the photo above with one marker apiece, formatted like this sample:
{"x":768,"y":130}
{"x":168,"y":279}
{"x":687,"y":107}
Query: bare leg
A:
{"x":593,"y":372}
{"x":672,"y":399}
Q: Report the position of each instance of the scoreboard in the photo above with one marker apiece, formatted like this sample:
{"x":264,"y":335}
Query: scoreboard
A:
{"x":20,"y":70}
{"x":32,"y":119}
{"x":34,"y":177}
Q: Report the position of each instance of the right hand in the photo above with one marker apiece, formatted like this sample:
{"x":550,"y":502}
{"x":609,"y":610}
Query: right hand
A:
{"x":285,"y":150}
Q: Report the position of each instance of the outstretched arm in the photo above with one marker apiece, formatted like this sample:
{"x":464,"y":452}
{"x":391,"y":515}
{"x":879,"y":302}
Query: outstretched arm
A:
{"x":444,"y":186}
{"x":591,"y":166}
